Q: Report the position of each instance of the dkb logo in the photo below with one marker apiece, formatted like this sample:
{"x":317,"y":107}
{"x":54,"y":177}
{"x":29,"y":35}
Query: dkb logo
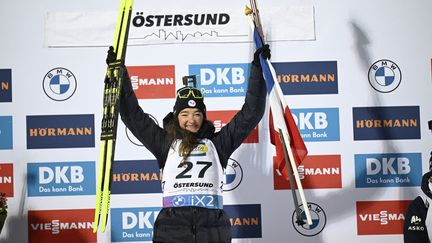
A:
{"x":221,"y":80}
{"x":388,"y":170}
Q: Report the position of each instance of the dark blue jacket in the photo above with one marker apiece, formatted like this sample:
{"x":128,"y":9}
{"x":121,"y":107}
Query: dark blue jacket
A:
{"x":194,"y":224}
{"x":227,"y":140}
{"x":415,"y":228}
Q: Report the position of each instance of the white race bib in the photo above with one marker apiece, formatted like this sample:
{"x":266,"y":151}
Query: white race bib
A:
{"x":196,"y":181}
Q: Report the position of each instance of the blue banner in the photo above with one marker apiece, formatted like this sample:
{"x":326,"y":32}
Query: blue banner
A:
{"x":60,"y":131}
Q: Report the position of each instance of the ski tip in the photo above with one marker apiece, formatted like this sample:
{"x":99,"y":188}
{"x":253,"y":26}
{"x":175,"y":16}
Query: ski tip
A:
{"x":95,"y":225}
{"x":247,"y":10}
{"x":103,"y":228}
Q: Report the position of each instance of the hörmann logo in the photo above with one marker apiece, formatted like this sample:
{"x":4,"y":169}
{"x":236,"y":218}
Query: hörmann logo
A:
{"x":7,"y":179}
{"x":388,"y":170}
{"x":381,"y":217}
{"x":221,"y":80}
{"x":318,"y":124}
{"x":153,"y":82}
{"x":66,"y":225}
{"x":6,"y":139}
{"x":60,"y":131}
{"x":382,"y":123}
{"x":133,"y":224}
{"x":135,"y":176}
{"x":316,"y":171}
{"x":307,"y":77}
{"x":61,"y":178}
{"x":245,"y":220}
{"x":5,"y":85}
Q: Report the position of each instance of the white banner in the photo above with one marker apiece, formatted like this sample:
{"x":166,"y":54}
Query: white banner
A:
{"x":177,"y":26}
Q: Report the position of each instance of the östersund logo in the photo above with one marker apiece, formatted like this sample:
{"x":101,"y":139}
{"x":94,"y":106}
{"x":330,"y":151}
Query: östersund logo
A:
{"x":234,"y":175}
{"x":197,"y":19}
{"x":59,"y":84}
{"x":319,"y":220}
{"x":384,"y":76}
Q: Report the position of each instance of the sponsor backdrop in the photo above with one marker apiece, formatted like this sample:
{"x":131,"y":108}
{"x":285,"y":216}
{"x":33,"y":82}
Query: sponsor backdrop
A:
{"x":357,"y":78}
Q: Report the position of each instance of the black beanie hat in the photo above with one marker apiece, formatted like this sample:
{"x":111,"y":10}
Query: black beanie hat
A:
{"x":188,"y":97}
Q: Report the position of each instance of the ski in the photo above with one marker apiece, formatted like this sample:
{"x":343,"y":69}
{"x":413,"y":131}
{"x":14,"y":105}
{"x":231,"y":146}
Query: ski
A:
{"x":111,"y":97}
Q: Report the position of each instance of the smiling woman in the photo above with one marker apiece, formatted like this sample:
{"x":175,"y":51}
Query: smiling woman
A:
{"x":193,"y":157}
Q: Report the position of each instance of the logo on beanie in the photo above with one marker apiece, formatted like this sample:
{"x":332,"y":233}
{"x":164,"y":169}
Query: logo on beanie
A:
{"x":191,"y":103}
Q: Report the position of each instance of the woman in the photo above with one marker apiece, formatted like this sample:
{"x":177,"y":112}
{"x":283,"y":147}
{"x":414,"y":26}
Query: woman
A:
{"x":192,"y":157}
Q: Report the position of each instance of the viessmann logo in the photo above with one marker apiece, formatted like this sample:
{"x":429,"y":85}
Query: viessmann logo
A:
{"x":153,"y":82}
{"x":221,"y":118}
{"x":60,"y":131}
{"x":316,"y":171}
{"x":7,"y":179}
{"x":381,"y":217}
{"x":67,"y":225}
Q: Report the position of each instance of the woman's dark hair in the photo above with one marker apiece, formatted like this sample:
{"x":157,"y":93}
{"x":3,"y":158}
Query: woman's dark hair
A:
{"x":188,"y":139}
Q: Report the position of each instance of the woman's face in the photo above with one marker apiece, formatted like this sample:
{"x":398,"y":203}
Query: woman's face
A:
{"x":190,"y":119}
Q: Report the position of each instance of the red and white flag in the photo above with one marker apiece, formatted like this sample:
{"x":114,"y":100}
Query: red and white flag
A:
{"x":282,"y":124}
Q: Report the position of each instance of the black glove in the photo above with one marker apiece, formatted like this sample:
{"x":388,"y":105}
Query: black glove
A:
{"x":265,"y":51}
{"x":112,"y":56}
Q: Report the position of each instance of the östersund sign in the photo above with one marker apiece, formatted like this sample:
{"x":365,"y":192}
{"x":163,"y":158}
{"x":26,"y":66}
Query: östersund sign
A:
{"x":161,"y":25}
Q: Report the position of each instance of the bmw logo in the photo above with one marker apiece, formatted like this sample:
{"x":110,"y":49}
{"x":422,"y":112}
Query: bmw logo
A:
{"x":59,"y":84}
{"x":233,"y":175}
{"x":132,"y":138}
{"x":384,"y":76}
{"x":178,"y":201}
{"x":319,"y":220}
